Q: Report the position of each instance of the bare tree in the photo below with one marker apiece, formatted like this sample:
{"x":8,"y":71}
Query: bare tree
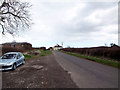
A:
{"x":14,"y":16}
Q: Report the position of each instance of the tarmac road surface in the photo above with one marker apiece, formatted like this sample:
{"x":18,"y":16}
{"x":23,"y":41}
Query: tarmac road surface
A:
{"x":88,"y":74}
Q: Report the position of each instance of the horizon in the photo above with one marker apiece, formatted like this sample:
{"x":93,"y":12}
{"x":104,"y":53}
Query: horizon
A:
{"x":63,"y":45}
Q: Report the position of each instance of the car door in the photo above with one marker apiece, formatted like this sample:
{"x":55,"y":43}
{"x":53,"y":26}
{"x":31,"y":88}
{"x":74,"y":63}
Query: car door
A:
{"x":21,"y":59}
{"x":18,"y":61}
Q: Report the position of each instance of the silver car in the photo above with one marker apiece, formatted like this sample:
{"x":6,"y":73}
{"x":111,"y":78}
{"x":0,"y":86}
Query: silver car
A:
{"x":11,"y":60}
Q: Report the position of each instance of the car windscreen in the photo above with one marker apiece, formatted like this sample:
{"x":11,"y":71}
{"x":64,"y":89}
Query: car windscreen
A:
{"x":9,"y":56}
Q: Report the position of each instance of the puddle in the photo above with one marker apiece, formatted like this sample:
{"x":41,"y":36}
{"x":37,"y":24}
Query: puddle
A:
{"x":37,"y":67}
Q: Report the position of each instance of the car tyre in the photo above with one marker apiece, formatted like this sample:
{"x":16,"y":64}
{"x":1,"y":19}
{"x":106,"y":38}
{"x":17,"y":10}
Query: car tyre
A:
{"x":14,"y":67}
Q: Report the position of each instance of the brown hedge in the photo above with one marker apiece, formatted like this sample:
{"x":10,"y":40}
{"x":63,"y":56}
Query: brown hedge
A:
{"x":105,"y":52}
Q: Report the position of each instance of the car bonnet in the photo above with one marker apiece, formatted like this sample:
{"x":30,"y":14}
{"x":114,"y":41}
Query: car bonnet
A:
{"x":6,"y":61}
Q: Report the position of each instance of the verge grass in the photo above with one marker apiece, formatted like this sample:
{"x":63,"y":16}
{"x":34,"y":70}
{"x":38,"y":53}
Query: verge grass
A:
{"x":46,"y":52}
{"x":43,"y":53}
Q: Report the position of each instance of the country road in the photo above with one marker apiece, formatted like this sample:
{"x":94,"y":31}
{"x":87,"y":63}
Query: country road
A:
{"x":88,"y":74}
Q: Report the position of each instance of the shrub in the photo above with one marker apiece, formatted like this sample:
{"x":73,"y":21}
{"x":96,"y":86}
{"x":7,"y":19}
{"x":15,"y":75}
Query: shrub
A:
{"x":105,"y":52}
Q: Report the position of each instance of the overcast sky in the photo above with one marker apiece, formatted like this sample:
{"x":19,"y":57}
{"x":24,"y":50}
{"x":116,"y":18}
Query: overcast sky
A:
{"x":73,"y":22}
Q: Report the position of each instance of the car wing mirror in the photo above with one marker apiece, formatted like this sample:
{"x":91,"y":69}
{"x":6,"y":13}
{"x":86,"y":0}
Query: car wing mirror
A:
{"x":1,"y":57}
{"x":17,"y":57}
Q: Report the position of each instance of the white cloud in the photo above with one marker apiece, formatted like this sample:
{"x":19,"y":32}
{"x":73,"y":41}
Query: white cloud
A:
{"x":72,"y":21}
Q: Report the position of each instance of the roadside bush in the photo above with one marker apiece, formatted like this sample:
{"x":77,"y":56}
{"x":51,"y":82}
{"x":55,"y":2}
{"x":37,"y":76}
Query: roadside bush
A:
{"x":105,"y":52}
{"x":8,"y":49}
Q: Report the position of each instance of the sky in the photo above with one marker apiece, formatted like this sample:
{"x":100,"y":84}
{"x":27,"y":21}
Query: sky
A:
{"x":75,"y":23}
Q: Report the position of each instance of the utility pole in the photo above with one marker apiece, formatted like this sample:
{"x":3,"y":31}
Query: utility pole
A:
{"x":62,"y":44}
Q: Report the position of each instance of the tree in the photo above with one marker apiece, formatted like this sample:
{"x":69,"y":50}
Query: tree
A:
{"x":14,"y":16}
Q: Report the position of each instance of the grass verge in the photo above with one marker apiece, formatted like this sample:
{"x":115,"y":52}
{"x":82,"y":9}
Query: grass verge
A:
{"x":112,"y":63}
{"x":27,"y":56}
{"x":43,"y":53}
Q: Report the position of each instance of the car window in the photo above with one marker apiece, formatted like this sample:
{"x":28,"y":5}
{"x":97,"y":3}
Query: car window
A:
{"x":9,"y":56}
{"x":18,"y":56}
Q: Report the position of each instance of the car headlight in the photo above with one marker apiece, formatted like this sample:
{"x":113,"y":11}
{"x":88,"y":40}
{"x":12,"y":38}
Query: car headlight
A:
{"x":8,"y":64}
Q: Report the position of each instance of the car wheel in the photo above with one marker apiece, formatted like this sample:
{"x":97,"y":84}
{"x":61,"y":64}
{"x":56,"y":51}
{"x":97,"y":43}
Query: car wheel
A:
{"x":14,"y":67}
{"x":23,"y":62}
